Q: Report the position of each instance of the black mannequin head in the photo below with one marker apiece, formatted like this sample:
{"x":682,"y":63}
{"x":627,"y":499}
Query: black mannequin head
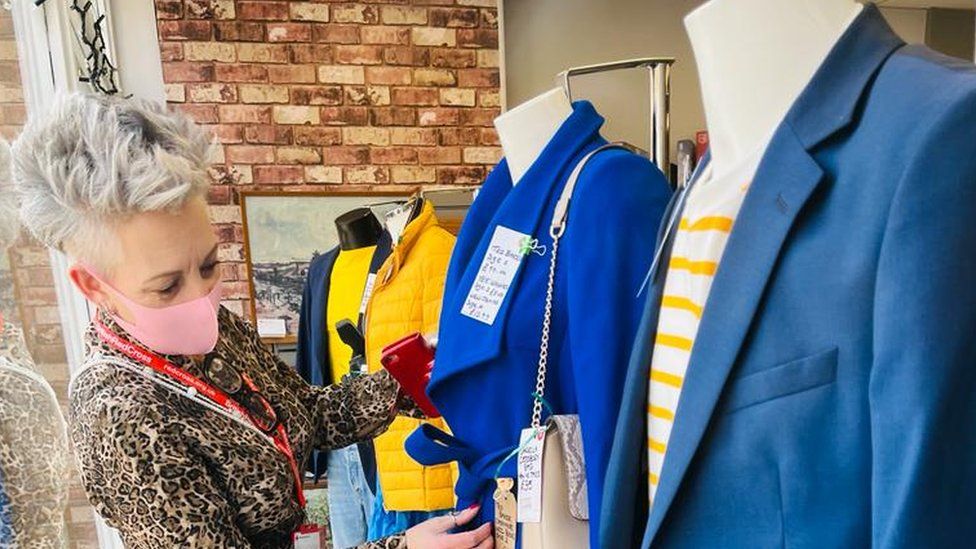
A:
{"x":358,"y":229}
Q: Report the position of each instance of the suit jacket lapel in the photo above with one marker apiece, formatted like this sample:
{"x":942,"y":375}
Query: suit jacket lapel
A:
{"x":778,"y":193}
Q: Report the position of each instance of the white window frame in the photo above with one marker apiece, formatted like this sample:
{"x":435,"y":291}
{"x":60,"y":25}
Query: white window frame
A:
{"x":49,"y":64}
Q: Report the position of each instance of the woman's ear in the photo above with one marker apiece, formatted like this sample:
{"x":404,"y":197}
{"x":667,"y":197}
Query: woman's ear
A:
{"x":88,"y":285}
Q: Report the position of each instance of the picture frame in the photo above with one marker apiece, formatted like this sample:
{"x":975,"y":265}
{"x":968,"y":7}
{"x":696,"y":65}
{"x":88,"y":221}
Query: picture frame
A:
{"x":283,"y":232}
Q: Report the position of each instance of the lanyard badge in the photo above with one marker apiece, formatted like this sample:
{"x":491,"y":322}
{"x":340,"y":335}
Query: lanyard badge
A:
{"x":309,"y":536}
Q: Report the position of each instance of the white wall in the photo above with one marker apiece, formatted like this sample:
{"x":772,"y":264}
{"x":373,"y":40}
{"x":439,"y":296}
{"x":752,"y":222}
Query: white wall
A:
{"x":544,"y":37}
{"x":137,"y":48}
{"x":909,"y":23}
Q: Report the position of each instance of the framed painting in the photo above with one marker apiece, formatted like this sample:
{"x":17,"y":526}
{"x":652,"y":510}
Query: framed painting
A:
{"x":283,"y":233}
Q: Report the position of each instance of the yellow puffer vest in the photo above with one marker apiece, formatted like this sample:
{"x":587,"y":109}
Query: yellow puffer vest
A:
{"x":407,"y":300}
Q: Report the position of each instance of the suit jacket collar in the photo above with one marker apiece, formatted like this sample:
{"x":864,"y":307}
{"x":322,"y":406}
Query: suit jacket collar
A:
{"x":829,"y":103}
{"x":521,"y":208}
{"x":786,"y":178}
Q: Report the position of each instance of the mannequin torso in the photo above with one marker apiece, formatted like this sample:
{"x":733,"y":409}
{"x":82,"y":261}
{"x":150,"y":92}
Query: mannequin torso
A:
{"x":754,"y":59}
{"x":526,"y":130}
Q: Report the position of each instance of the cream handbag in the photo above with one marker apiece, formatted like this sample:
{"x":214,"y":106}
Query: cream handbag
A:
{"x":565,"y":515}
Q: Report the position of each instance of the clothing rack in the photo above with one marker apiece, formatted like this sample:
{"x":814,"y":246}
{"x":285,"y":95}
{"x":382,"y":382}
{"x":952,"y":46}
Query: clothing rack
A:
{"x":452,"y":198}
{"x":659,"y":72}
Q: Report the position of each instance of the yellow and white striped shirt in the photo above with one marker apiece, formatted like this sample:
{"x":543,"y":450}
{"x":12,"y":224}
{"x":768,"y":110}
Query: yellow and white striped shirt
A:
{"x":703,"y":232}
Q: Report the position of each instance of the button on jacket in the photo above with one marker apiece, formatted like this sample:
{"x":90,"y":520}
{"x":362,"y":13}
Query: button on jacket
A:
{"x":830,"y":398}
{"x":484,"y":375}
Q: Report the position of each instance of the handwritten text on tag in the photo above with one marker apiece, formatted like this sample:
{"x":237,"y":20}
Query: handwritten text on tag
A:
{"x":495,"y":276}
{"x":505,"y":508}
{"x":531,"y":445}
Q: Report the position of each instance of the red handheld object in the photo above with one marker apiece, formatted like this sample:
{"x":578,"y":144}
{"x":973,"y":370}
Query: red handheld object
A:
{"x":410,"y":361}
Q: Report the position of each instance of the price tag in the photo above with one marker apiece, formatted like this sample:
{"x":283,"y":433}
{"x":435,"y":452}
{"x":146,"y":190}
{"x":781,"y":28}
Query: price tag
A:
{"x":367,"y":292}
{"x":495,"y":276}
{"x":505,"y":509}
{"x":272,"y":327}
{"x":531,"y":444}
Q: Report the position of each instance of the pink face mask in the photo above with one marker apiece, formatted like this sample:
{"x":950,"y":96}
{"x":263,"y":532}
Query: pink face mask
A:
{"x":189,"y":328}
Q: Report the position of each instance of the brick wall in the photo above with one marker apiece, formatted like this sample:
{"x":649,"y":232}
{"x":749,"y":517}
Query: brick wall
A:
{"x":35,"y":301}
{"x":313,"y":95}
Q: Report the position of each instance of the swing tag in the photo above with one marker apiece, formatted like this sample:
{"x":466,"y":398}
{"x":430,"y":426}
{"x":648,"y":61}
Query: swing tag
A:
{"x":505,"y":509}
{"x":531,"y":445}
{"x":498,"y":268}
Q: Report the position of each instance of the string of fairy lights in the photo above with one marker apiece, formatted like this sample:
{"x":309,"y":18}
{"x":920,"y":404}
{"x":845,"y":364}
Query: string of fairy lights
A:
{"x":90,"y":28}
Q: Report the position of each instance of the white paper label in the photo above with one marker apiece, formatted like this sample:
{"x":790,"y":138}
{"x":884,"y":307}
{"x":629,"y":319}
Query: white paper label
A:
{"x":367,"y":292}
{"x":495,"y":276}
{"x":272,"y":327}
{"x":531,"y":444}
{"x":311,"y":540}
{"x":397,"y":220}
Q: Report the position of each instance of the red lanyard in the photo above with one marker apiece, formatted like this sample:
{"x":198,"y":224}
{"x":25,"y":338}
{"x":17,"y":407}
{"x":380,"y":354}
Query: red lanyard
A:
{"x":181,"y":376}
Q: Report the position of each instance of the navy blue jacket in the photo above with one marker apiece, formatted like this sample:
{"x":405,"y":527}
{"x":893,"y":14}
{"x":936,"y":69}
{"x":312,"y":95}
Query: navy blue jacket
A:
{"x":830,"y":400}
{"x":485,"y":374}
{"x":312,"y":357}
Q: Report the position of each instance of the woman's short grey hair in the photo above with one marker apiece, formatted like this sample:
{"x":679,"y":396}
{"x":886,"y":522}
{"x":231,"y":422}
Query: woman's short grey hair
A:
{"x":95,"y":160}
{"x":9,"y":221}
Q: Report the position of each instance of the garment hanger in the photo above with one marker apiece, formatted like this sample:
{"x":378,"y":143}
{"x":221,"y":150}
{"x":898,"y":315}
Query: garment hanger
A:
{"x":375,"y":205}
{"x":659,"y":72}
{"x":417,"y":201}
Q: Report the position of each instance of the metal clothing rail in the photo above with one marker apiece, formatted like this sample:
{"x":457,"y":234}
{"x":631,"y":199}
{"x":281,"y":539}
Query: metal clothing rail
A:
{"x":659,"y":72}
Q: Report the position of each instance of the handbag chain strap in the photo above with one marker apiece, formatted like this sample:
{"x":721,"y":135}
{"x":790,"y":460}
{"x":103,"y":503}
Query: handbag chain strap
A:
{"x":556,"y":230}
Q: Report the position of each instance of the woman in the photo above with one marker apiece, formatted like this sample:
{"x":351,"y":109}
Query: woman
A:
{"x":33,"y":443}
{"x":189,"y":431}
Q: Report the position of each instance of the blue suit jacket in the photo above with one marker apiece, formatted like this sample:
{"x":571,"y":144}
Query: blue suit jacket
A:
{"x":484,"y":375}
{"x":830,"y":400}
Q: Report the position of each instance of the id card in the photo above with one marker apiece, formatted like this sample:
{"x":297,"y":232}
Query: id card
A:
{"x":498,"y":268}
{"x":531,"y":444}
{"x":309,"y":536}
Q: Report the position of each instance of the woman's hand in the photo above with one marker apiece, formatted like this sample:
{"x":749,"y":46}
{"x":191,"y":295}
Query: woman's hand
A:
{"x":433,"y":534}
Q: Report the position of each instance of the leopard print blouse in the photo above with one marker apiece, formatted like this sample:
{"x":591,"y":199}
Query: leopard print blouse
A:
{"x":34,"y":453}
{"x":168,"y":472}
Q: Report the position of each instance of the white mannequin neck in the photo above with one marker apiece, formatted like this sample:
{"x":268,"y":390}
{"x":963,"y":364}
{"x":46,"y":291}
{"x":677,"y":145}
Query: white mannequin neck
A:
{"x":754,"y":59}
{"x":526,"y":130}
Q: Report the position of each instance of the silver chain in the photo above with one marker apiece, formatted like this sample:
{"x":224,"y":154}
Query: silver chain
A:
{"x":556,"y":231}
{"x":540,"y":380}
